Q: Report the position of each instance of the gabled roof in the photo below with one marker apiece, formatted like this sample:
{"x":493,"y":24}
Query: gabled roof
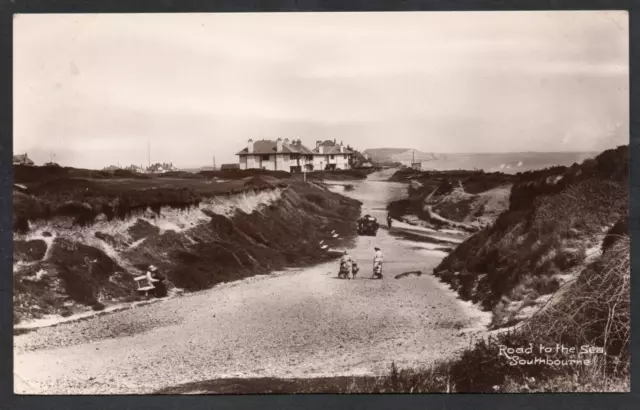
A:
{"x":302,"y":149}
{"x":264,"y":147}
{"x":334,"y":149}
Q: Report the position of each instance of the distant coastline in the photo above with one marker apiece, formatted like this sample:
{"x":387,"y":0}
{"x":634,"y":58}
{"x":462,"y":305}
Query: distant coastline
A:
{"x":510,"y":162}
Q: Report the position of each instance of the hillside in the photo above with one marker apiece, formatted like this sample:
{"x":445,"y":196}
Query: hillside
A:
{"x":383,"y":154}
{"x":81,"y":236}
{"x":555,"y":225}
{"x":467,"y":200}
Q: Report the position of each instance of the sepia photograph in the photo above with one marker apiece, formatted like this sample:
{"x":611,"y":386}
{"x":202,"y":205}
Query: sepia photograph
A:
{"x":321,"y":202}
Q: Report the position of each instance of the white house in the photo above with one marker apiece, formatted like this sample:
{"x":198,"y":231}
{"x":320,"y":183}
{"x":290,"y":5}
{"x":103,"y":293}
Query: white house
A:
{"x":278,"y":155}
{"x":293,"y":156}
{"x":329,"y":155}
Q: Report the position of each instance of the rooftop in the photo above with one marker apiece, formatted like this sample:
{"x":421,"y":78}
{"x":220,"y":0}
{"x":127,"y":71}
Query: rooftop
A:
{"x":330,"y":148}
{"x":262,"y":147}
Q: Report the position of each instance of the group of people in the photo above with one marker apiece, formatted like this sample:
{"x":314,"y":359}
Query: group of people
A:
{"x":349,"y":267}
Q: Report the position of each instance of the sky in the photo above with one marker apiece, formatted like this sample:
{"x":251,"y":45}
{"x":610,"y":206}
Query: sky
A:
{"x":95,"y":90}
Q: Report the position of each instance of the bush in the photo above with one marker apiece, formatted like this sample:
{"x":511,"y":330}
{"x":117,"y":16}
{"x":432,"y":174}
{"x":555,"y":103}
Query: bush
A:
{"x":599,"y":305}
{"x":316,"y":199}
{"x":66,"y":312}
{"x":85,"y":271}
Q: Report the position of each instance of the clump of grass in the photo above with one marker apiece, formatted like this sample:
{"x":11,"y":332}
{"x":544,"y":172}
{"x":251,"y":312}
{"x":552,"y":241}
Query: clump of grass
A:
{"x":597,"y":311}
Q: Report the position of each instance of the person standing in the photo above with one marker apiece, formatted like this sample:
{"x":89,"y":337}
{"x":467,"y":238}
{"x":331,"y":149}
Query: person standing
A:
{"x":354,"y":268}
{"x":378,"y":258}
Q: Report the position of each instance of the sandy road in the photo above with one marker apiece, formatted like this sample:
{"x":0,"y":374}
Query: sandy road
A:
{"x":302,"y":323}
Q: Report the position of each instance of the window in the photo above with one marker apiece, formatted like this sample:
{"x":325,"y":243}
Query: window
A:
{"x":266,"y":157}
{"x":333,"y":157}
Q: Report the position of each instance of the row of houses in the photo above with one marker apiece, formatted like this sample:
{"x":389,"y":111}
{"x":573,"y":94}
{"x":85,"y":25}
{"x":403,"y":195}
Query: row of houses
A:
{"x":279,"y":155}
{"x":293,"y":156}
{"x":158,"y":168}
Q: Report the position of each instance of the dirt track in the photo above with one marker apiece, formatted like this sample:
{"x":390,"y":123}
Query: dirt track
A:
{"x":293,"y":324}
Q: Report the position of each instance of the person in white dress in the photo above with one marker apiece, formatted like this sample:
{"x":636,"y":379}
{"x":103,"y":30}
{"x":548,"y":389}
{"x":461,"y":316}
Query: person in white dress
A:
{"x":378,"y":258}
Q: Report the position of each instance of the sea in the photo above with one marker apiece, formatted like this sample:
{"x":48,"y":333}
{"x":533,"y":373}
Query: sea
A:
{"x":511,"y":163}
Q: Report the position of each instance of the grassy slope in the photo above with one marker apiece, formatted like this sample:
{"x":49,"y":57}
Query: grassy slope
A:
{"x":554,"y":217}
{"x":85,"y":194}
{"x":226,"y":248}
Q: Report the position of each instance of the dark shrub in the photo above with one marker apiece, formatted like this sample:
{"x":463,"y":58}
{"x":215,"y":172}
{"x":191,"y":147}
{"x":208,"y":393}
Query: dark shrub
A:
{"x":618,"y":231}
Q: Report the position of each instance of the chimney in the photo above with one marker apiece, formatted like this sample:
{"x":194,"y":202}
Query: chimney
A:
{"x":279,"y":145}
{"x":287,"y":141}
{"x":318,"y":145}
{"x":250,"y":146}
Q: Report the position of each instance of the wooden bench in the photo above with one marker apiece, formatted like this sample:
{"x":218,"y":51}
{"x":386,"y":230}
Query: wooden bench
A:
{"x":144,"y":285}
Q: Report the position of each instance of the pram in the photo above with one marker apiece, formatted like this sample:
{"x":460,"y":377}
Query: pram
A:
{"x":344,"y":270}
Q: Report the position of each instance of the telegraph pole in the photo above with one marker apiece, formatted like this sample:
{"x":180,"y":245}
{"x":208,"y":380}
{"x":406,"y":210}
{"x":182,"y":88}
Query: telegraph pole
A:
{"x":214,"y":162}
{"x":149,"y":153}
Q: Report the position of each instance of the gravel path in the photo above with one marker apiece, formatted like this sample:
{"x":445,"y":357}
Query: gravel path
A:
{"x":304,"y":323}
